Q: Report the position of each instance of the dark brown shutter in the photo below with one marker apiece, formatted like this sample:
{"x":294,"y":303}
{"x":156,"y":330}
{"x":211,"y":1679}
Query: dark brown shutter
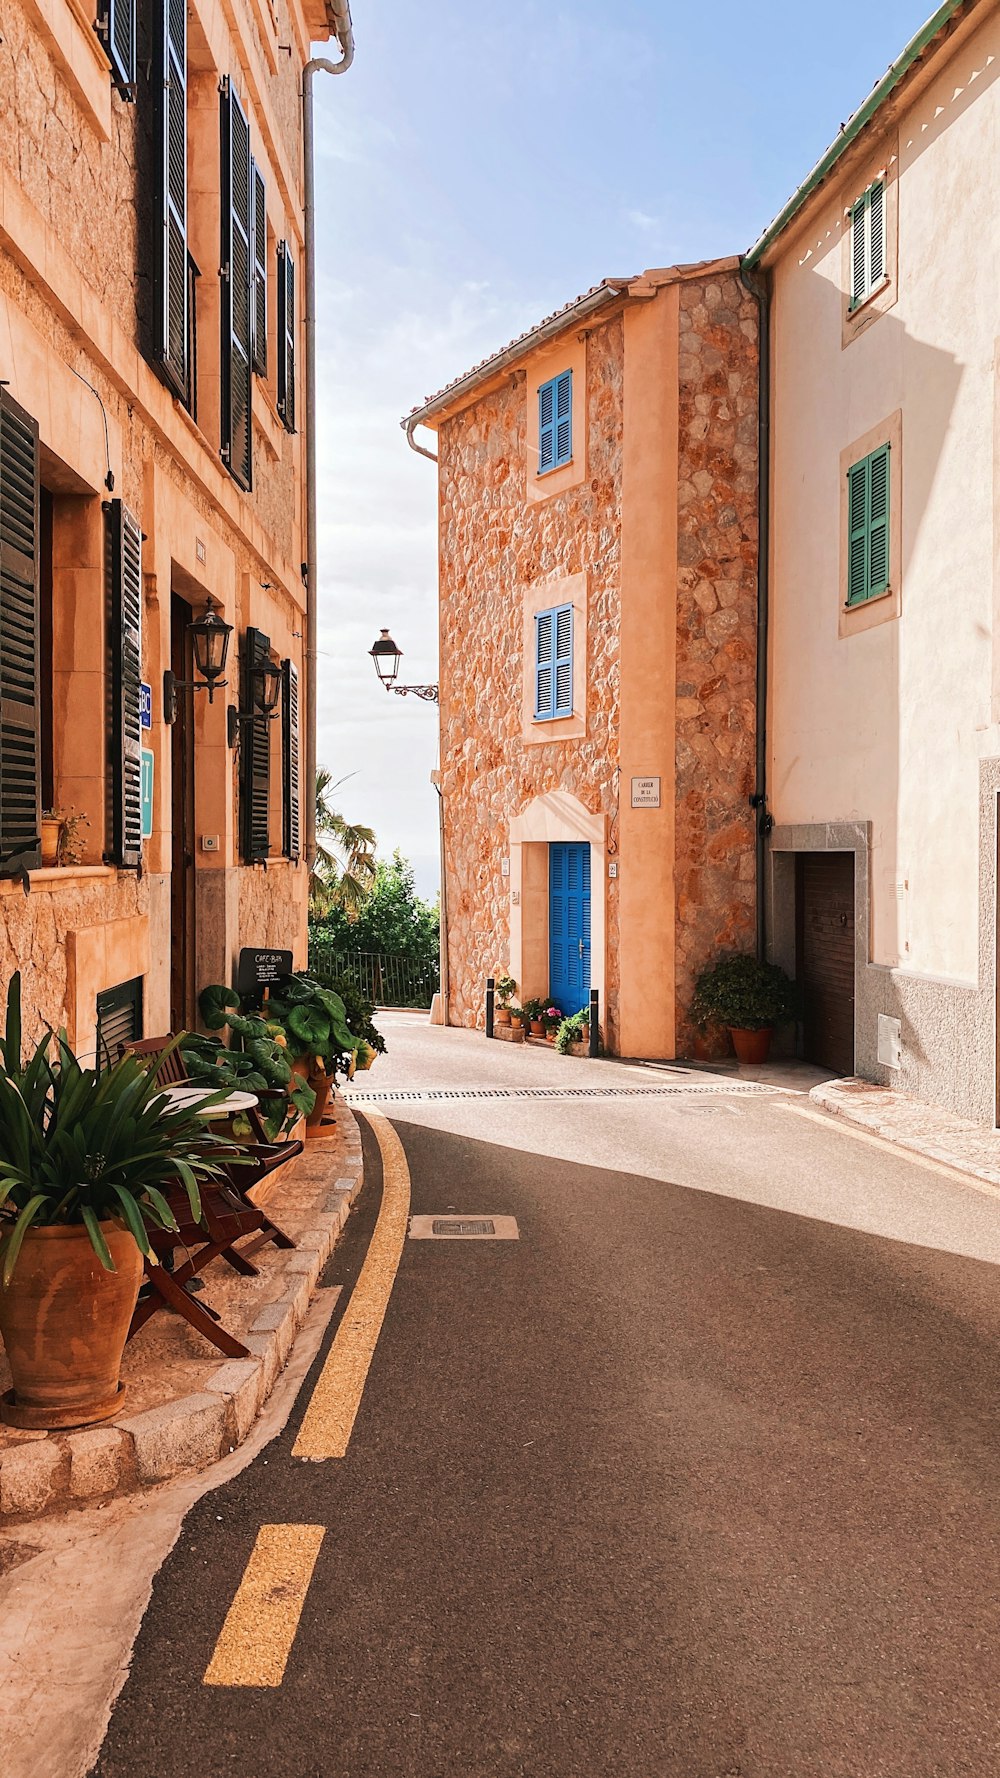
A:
{"x":291,"y":789}
{"x":286,"y":336}
{"x":237,"y":289}
{"x":259,"y":272}
{"x":125,"y":638}
{"x":255,"y":756}
{"x":20,"y":742}
{"x":116,"y":28}
{"x":171,"y":342}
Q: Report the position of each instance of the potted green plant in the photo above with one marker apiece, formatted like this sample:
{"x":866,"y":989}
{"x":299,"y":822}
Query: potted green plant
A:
{"x":504,"y":989}
{"x":518,"y":1017}
{"x":62,"y":839}
{"x":320,"y":1040}
{"x":83,"y":1160}
{"x":532,"y":1011}
{"x":747,"y":996}
{"x":551,"y":1021}
{"x":255,"y":1061}
{"x":574,"y":1029}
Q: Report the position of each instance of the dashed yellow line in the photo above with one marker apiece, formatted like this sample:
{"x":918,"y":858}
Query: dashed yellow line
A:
{"x":329,"y":1419}
{"x":256,"y":1639}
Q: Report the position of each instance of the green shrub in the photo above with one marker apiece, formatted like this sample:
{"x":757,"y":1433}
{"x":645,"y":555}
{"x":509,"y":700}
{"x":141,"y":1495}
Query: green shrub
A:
{"x":745,"y":994}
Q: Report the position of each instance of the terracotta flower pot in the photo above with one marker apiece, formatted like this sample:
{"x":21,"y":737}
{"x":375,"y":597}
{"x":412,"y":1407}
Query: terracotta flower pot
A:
{"x":537,"y":1028}
{"x":64,"y":1321}
{"x":50,"y":843}
{"x":321,"y":1085}
{"x":752,"y":1046}
{"x":501,"y":1015}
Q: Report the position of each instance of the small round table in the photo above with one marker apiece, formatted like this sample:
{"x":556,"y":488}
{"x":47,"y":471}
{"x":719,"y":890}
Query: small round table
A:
{"x":190,"y":1097}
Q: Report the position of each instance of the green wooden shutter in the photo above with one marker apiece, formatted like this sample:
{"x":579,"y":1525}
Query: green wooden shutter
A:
{"x":858,"y":252}
{"x":876,"y":234}
{"x":171,"y":333}
{"x":878,"y":521}
{"x":857,"y":504}
{"x":124,"y":558}
{"x":291,"y":789}
{"x":115,"y":25}
{"x":255,"y":756}
{"x":286,"y":336}
{"x":237,"y":289}
{"x":20,"y":743}
{"x":259,"y":308}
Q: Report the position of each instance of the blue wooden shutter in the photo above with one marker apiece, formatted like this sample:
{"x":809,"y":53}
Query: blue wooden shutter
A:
{"x":878,"y":521}
{"x":545,"y":632}
{"x":124,"y":555}
{"x":286,"y":336}
{"x":563,"y":661}
{"x":259,"y":305}
{"x":857,"y":520}
{"x":20,"y":745}
{"x":546,"y":426}
{"x":115,"y":25}
{"x":564,"y":416}
{"x":237,"y":289}
{"x":171,"y":339}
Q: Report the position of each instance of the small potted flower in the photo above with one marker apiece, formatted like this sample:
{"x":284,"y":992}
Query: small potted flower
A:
{"x":747,"y":996}
{"x":504,"y":989}
{"x":532,"y":1010}
{"x":519,"y":1019}
{"x":551,"y":1021}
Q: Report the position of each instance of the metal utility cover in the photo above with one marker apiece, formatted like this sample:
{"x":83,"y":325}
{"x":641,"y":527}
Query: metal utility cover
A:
{"x":463,"y":1228}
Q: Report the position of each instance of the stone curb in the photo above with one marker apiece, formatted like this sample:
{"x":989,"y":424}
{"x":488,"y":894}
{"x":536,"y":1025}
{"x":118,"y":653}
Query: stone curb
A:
{"x":41,"y":1472}
{"x":912,"y":1124}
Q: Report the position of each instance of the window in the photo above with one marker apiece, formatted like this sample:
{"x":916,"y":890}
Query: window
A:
{"x":237,"y":288}
{"x":286,"y":337}
{"x":868,"y":527}
{"x":171,"y":331}
{"x":868,"y":243}
{"x":555,"y":422}
{"x":554,"y":663}
{"x":255,"y":757}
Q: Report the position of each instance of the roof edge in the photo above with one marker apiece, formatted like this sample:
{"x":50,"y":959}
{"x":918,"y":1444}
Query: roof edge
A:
{"x":854,"y":126}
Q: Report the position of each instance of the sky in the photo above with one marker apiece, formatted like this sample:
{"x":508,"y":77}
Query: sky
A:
{"x":479,"y":166}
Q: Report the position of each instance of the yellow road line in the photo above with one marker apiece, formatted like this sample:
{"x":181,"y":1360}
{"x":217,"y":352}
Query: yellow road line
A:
{"x":329,"y":1419}
{"x":256,"y":1639}
{"x":831,"y":1121}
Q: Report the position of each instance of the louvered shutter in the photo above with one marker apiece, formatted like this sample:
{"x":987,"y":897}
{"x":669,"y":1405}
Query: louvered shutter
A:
{"x":546,"y":427}
{"x":124,"y":540}
{"x":259,"y":272}
{"x":116,"y":29}
{"x":286,"y":336}
{"x":171,"y":343}
{"x":858,"y":253}
{"x":563,"y":661}
{"x":857,"y":507}
{"x":876,"y":234}
{"x":564,"y":416}
{"x":291,"y":786}
{"x":20,"y":748}
{"x":544,"y":645}
{"x":255,"y":757}
{"x":878,"y":521}
{"x":237,"y":289}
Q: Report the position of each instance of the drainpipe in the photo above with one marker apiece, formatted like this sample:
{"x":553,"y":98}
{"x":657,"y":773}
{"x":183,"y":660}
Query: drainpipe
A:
{"x":340,"y":18}
{"x":758,"y":284}
{"x":421,"y":450}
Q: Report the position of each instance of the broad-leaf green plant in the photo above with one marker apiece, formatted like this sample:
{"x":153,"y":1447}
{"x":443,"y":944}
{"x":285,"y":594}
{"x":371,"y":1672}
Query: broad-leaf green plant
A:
{"x":745,"y":994}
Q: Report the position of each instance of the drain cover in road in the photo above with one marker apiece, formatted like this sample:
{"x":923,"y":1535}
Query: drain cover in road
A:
{"x":463,"y":1228}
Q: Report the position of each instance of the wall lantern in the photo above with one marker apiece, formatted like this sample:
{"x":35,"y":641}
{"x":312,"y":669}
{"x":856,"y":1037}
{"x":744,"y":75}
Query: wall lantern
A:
{"x":210,"y":635}
{"x":265,"y":690}
{"x":387,"y":656}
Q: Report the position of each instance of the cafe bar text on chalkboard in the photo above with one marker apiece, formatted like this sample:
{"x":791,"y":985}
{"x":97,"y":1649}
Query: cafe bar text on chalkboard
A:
{"x":258,"y":969}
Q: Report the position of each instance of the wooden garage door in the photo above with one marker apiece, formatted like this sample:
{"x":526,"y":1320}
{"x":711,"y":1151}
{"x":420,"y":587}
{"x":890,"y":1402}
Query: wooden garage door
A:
{"x":826,"y":957}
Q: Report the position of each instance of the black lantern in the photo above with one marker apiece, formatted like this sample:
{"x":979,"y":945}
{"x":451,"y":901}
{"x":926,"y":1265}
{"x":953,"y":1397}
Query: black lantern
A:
{"x":387,"y":657}
{"x":266,"y":677}
{"x":210,"y":635}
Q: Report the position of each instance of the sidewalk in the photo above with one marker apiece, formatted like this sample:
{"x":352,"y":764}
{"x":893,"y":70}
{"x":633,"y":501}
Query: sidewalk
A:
{"x":186,"y":1404}
{"x":911,"y":1123}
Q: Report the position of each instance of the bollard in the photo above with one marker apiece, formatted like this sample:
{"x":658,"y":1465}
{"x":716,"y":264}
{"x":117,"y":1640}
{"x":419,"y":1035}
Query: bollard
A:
{"x":489,"y":1006}
{"x":594,"y":1047}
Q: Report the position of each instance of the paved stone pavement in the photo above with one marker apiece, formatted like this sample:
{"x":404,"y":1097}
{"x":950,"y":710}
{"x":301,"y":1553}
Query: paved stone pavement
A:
{"x":696,"y":1479}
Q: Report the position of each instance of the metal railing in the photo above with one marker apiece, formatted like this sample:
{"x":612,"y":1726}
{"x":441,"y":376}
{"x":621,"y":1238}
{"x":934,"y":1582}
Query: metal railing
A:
{"x":383,"y":979}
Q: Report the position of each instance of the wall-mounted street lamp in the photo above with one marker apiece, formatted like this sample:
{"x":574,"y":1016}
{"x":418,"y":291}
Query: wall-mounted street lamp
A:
{"x":265,"y":690}
{"x":210,"y":635}
{"x":387,"y":657}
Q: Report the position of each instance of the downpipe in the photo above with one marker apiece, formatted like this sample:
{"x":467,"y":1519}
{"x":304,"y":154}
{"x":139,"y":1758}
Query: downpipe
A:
{"x":758,"y":284}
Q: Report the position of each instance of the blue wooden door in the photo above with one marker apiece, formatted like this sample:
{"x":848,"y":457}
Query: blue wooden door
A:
{"x":569,"y":926}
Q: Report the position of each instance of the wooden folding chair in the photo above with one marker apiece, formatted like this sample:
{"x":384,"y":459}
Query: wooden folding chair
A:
{"x":224,"y":1218}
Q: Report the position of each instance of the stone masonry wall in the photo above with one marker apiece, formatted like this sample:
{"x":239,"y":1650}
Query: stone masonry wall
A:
{"x":716,"y":628}
{"x":492,"y":544}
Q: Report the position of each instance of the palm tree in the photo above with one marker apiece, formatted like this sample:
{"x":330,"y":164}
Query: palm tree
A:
{"x":344,"y":871}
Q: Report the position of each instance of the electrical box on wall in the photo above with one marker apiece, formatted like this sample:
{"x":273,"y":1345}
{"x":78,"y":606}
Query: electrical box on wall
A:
{"x":613,"y":868}
{"x":890,"y":1041}
{"x":210,"y":842}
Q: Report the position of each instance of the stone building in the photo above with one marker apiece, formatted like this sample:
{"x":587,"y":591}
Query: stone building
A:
{"x":597,"y":502}
{"x":151,"y":463}
{"x":883,"y":720}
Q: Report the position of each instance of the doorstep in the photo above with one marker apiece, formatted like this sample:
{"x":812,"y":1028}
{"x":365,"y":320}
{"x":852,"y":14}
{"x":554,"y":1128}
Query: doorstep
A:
{"x":187,"y":1405}
{"x":913,"y":1124}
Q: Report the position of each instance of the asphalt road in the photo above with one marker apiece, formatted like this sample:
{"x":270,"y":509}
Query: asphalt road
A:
{"x":697,"y":1479}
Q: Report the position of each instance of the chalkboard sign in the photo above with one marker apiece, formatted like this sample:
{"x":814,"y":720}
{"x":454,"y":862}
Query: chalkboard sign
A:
{"x":261,"y":969}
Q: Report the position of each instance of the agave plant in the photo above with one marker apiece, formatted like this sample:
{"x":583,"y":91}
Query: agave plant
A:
{"x":79,"y":1146}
